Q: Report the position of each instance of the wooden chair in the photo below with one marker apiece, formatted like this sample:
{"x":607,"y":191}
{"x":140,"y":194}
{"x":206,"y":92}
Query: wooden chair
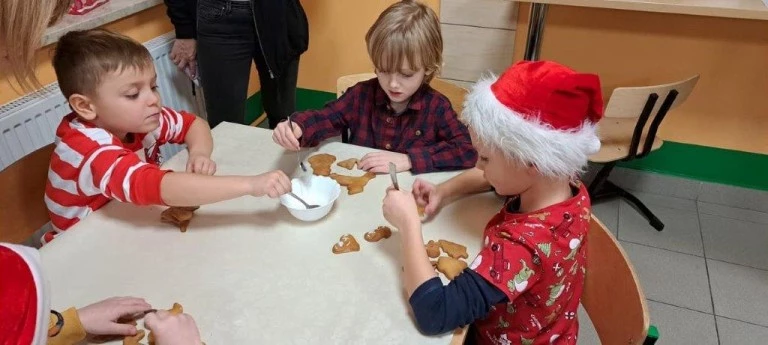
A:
{"x":612,"y":294}
{"x":628,"y":132}
{"x":22,"y":208}
{"x":453,"y":92}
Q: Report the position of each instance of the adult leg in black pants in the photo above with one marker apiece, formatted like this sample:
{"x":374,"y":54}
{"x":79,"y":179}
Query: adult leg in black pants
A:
{"x":227,"y":43}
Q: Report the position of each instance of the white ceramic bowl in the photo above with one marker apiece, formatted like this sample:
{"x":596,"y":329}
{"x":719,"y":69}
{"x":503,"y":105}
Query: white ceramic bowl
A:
{"x":315,"y":190}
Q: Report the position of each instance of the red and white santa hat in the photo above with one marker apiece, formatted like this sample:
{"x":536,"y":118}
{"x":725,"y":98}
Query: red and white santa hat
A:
{"x":24,"y":305}
{"x":539,"y":113}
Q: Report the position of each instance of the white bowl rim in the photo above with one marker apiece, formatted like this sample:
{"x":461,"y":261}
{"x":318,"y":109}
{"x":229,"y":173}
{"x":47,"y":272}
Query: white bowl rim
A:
{"x":330,"y":202}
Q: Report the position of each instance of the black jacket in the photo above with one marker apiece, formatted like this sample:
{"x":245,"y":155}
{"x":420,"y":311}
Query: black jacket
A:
{"x":282,"y":26}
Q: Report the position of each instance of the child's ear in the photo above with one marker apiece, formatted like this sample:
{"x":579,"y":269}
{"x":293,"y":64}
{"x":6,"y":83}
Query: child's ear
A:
{"x":83,"y":106}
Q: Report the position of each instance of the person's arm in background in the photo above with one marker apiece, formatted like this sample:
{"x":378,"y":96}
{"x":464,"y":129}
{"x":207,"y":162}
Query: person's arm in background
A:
{"x":183,"y":15}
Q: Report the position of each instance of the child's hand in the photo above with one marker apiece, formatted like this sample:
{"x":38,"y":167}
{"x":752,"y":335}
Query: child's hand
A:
{"x":100,"y":318}
{"x":378,"y":162}
{"x":427,"y":195}
{"x":172,"y":329}
{"x":286,"y":136}
{"x":200,"y":164}
{"x":274,"y":184}
{"x":400,"y":210}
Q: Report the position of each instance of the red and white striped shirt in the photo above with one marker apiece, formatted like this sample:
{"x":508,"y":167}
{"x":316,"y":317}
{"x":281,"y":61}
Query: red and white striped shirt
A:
{"x":90,"y":166}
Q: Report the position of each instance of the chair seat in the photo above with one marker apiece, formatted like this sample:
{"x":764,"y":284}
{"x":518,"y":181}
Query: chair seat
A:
{"x":616,"y":138}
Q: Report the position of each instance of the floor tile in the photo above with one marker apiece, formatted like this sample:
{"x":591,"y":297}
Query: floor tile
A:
{"x":681,"y":227}
{"x":751,"y":199}
{"x":735,"y":241}
{"x":739,"y":292}
{"x":680,"y":326}
{"x":733,"y":212}
{"x":734,"y":332}
{"x":669,"y":277}
{"x":608,"y":213}
{"x":656,"y":183}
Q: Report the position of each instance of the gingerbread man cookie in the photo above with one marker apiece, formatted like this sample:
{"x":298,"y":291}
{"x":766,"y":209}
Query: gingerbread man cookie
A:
{"x":321,"y":163}
{"x":433,"y":249}
{"x":379,"y":234}
{"x":347,"y":244}
{"x":450,"y":267}
{"x":179,"y":216}
{"x":354,"y":184}
{"x":453,"y":250}
{"x":348,"y":164}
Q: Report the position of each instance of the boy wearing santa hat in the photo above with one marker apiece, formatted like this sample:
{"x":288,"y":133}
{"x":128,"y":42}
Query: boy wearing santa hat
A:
{"x":533,"y":128}
{"x":26,"y":318}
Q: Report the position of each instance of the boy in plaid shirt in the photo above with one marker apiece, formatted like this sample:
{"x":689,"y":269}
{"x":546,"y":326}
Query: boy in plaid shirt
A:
{"x":397,"y":111}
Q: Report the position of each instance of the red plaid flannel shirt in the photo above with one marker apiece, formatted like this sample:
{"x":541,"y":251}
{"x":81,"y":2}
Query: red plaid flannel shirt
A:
{"x":429,"y":131}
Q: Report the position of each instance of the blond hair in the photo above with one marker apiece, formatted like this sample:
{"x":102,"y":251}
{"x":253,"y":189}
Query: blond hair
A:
{"x":406,"y":30}
{"x":82,"y":58}
{"x":22,"y":25}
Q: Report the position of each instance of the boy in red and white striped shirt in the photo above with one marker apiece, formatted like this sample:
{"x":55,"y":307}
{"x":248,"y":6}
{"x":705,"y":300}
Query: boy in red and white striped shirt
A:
{"x":111,"y":85}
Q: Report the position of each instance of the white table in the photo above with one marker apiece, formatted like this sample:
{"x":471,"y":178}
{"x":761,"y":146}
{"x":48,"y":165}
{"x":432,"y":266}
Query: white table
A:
{"x":247,"y":270}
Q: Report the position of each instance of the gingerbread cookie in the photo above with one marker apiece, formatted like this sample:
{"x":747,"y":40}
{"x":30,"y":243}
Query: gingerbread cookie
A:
{"x":134,"y":340}
{"x":347,"y":243}
{"x":175,"y":310}
{"x":433,"y":249}
{"x":321,"y":163}
{"x":450,"y":267}
{"x":348,"y":164}
{"x":179,"y":216}
{"x":379,"y":234}
{"x":453,"y":250}
{"x":354,"y":184}
{"x":420,"y":210}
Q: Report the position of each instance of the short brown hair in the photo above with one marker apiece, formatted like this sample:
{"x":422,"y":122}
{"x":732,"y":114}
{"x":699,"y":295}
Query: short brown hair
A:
{"x":82,"y":59}
{"x":406,"y":30}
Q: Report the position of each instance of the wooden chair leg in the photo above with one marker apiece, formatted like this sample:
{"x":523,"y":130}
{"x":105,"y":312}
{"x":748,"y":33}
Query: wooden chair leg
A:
{"x":652,"y":337}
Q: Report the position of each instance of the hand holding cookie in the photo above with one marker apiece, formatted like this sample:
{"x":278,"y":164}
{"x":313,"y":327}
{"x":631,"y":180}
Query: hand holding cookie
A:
{"x":400,"y":210}
{"x":428,"y":196}
{"x":169,"y":328}
{"x":286,"y":136}
{"x":274,"y":184}
{"x":378,"y":162}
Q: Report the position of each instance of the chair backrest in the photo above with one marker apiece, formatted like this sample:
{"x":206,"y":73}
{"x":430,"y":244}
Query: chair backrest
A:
{"x":22,"y":209}
{"x":347,"y":81}
{"x":612,"y":294}
{"x":630,"y":101}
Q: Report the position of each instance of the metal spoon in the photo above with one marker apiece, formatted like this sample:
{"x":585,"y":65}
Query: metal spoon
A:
{"x":308,"y":206}
{"x":393,"y":175}
{"x":298,"y":153}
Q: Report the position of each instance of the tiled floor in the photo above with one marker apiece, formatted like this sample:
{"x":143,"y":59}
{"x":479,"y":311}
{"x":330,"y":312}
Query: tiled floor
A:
{"x":705,"y":276}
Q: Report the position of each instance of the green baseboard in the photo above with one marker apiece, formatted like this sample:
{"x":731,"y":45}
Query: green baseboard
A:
{"x":702,"y":163}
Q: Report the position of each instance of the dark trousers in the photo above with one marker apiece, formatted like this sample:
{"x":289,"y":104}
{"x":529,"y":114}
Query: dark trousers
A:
{"x":226,"y":44}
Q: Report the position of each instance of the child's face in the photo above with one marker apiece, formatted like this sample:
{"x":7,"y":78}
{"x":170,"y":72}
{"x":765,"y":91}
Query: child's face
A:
{"x":128,"y":102}
{"x":401,"y":85}
{"x":507,"y":177}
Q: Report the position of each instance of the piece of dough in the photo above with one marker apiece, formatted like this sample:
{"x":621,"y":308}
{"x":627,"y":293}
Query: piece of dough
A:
{"x":348,"y":164}
{"x":179,"y":216}
{"x":453,"y":250}
{"x":379,"y":234}
{"x":347,"y":244}
{"x":321,"y":163}
{"x":433,"y":249}
{"x":450,"y":267}
{"x":354,"y":184}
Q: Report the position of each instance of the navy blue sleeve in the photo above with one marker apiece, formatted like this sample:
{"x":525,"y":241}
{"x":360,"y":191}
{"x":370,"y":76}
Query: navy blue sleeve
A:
{"x":442,"y":308}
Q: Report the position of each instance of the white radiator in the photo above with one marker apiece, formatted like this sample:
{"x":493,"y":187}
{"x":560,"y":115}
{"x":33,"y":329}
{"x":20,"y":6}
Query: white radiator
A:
{"x":30,"y":122}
